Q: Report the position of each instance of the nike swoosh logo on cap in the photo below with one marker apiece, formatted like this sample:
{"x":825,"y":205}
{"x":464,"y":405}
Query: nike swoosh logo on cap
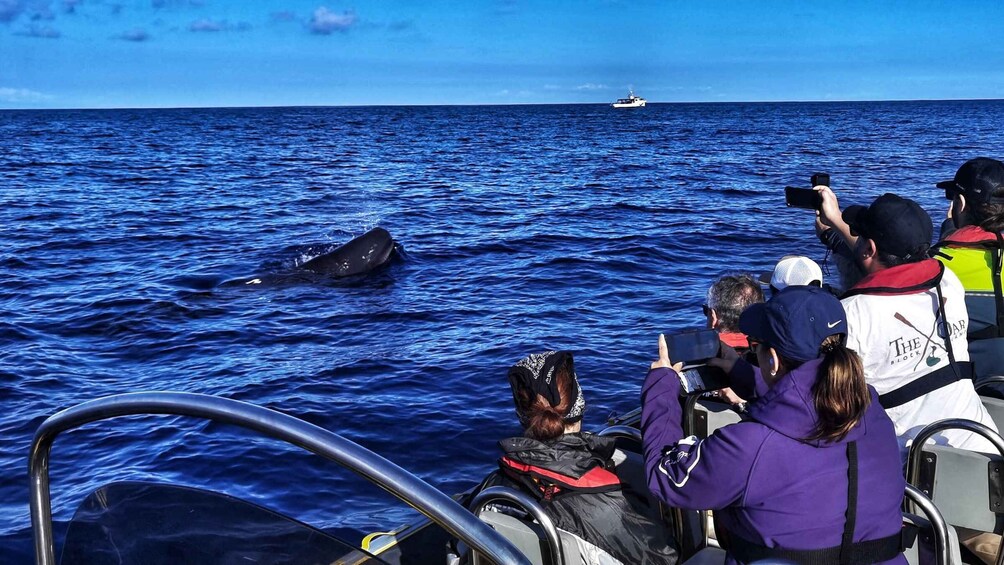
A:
{"x":834,"y":324}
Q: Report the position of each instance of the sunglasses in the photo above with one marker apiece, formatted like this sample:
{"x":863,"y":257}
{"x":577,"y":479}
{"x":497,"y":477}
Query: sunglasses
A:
{"x":705,"y":309}
{"x":753,"y":343}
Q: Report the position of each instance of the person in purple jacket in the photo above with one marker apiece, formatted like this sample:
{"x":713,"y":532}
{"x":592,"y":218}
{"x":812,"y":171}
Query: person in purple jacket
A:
{"x":814,"y":474}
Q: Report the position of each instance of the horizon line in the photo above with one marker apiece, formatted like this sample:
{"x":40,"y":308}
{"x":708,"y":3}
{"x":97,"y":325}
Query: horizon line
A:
{"x":266,"y":106}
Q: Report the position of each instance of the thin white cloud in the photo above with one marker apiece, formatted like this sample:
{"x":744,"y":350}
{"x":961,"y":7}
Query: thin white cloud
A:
{"x":591,"y":86}
{"x":326,"y":22}
{"x":22,"y":95}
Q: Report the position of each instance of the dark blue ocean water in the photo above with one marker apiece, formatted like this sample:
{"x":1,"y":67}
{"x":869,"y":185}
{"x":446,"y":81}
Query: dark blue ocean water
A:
{"x":523,"y":228}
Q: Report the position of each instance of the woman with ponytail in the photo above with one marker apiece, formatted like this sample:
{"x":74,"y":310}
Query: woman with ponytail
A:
{"x":814,"y":474}
{"x":572,"y":473}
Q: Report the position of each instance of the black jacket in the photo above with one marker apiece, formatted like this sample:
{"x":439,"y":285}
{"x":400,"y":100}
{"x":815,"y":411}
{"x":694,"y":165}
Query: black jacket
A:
{"x":572,"y":479}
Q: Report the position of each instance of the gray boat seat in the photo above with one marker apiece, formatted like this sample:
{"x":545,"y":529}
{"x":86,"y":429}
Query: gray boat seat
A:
{"x":966,"y":486}
{"x":708,"y":415}
{"x":527,"y":536}
{"x":958,"y":481}
{"x":535,"y":535}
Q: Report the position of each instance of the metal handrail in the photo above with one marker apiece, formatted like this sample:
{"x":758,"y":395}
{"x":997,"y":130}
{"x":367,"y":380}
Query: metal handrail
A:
{"x":938,"y":524}
{"x":619,"y":431}
{"x":408,"y":488}
{"x":528,"y":505}
{"x":917,"y":448}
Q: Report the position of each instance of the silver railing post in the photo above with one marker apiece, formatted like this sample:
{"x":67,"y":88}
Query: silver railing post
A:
{"x":917,"y":449}
{"x":938,"y":524}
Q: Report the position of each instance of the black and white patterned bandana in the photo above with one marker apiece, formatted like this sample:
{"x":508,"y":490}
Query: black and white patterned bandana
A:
{"x":536,"y":372}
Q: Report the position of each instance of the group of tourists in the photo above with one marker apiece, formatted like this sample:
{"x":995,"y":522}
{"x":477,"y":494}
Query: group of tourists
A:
{"x":833,"y":384}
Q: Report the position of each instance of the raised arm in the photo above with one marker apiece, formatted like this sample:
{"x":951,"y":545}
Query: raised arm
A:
{"x":687,"y":472}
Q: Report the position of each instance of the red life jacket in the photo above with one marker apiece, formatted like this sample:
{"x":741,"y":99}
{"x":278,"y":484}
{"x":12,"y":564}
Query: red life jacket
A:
{"x":550,"y":483}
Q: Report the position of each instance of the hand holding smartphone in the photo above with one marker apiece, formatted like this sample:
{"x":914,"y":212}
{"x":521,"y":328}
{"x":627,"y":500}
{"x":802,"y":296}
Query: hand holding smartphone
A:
{"x":693,"y":348}
{"x":802,"y":198}
{"x":807,"y":198}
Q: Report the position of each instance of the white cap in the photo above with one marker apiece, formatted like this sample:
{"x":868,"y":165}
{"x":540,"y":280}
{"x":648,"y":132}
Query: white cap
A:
{"x":793,"y":270}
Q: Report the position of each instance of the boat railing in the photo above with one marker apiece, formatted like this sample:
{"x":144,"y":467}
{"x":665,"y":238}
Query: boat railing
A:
{"x":405,"y":486}
{"x":939,"y":527}
{"x":522,"y":501}
{"x":914,"y":466}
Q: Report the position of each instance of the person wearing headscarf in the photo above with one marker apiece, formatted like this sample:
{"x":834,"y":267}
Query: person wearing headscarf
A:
{"x":571,"y":473}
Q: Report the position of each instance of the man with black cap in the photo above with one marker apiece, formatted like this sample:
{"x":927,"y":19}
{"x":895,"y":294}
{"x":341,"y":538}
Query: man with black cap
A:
{"x":974,"y":250}
{"x":907,"y":319}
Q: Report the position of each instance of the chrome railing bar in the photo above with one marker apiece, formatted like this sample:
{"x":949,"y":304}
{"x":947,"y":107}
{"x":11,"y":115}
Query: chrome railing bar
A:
{"x":938,"y":524}
{"x":406,"y":487}
{"x":523,"y":500}
{"x":917,"y":449}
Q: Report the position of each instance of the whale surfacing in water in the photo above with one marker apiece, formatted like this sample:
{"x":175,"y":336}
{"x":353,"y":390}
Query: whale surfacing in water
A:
{"x":360,"y":255}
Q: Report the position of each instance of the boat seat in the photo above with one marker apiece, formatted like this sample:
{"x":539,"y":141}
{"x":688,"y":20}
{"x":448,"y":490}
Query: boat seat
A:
{"x":702,"y":416}
{"x":966,"y":486}
{"x":527,"y":536}
{"x":537,"y":537}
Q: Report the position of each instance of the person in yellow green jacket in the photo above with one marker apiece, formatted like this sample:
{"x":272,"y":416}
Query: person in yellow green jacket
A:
{"x":972,"y":246}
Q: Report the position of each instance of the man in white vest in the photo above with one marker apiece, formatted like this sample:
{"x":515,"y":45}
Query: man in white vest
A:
{"x":907,"y":319}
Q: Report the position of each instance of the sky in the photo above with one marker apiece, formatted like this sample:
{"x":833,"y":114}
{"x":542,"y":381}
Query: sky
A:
{"x":197,"y":53}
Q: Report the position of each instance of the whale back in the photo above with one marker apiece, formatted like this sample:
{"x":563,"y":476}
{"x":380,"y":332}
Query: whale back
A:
{"x":362,"y":254}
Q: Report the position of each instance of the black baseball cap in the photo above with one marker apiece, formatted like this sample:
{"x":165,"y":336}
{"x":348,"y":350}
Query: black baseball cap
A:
{"x":897,"y":225}
{"x":977,"y":179}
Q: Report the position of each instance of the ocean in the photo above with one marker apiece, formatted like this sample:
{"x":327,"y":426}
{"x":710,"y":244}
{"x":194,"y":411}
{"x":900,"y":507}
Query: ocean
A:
{"x":520,"y":229}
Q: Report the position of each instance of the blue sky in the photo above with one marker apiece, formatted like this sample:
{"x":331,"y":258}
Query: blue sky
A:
{"x":169,"y":53}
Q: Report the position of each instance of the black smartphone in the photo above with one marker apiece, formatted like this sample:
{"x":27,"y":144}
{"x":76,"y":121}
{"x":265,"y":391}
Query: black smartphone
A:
{"x":821,"y":179}
{"x":692,"y":346}
{"x":702,"y":378}
{"x":802,"y":198}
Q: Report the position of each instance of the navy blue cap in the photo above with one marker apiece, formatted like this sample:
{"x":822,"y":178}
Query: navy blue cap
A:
{"x":978,"y":179}
{"x":897,"y":225}
{"x":795,"y":321}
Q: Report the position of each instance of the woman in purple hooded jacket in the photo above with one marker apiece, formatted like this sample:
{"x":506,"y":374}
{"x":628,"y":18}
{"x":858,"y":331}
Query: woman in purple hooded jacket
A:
{"x":814,"y":474}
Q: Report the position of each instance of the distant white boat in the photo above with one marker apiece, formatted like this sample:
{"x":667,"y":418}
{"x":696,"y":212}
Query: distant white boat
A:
{"x":631,"y":101}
